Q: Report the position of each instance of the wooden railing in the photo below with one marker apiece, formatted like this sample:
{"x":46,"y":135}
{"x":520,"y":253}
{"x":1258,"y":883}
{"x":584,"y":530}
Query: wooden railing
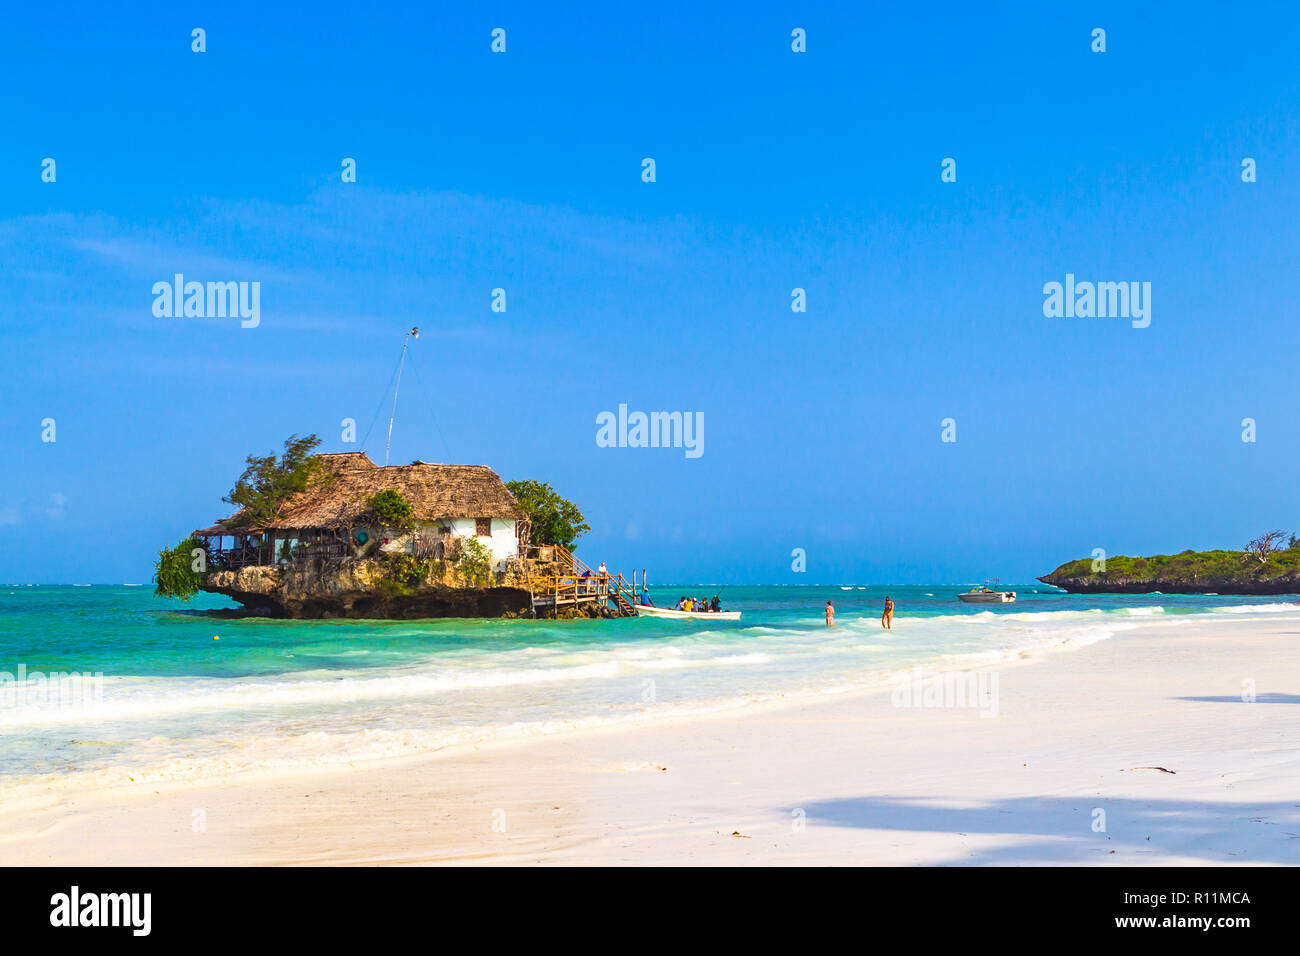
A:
{"x":324,"y":549}
{"x":566,"y":589}
{"x":610,"y":587}
{"x":232,"y":559}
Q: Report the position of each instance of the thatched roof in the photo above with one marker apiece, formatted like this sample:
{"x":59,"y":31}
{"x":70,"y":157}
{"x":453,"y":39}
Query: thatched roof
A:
{"x":214,"y":531}
{"x":337,"y":461}
{"x":435,"y":492}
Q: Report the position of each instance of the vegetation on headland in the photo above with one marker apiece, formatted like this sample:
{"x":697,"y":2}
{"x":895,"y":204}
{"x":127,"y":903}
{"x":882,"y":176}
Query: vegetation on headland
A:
{"x":1265,"y":565}
{"x":268,"y":483}
{"x":551,"y":519}
{"x":175,"y":573}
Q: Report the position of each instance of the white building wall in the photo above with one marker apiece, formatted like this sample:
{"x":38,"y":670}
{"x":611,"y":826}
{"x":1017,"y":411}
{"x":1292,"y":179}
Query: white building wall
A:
{"x":503,"y":542}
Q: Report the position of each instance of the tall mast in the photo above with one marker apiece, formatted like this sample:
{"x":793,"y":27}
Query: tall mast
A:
{"x":414,"y":333}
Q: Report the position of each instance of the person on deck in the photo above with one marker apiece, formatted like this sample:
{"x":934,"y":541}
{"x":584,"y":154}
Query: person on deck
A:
{"x":601,"y":570}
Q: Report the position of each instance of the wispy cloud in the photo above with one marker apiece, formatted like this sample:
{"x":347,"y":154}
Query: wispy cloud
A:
{"x":418,"y":235}
{"x":158,"y":259}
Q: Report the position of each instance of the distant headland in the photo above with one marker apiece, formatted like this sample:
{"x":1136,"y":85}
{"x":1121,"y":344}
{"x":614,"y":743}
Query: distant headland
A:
{"x":1266,"y":566}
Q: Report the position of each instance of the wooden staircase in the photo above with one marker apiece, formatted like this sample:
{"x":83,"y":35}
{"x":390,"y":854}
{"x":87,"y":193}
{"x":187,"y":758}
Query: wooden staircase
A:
{"x":576,"y":583}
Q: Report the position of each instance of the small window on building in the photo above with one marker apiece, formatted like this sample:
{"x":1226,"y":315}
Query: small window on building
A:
{"x":483,"y":527}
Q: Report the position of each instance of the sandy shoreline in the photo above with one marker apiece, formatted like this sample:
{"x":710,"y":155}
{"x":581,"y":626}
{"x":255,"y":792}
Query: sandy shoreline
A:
{"x":844,"y":780}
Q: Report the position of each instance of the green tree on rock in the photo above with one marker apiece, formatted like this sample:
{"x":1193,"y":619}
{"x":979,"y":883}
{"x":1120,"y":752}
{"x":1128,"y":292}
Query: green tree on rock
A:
{"x":267,"y":484}
{"x":392,"y":510}
{"x":475,"y":561}
{"x":552,"y":519}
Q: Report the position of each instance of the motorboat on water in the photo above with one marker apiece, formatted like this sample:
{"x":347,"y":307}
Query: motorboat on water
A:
{"x":987,"y":595}
{"x":651,"y":611}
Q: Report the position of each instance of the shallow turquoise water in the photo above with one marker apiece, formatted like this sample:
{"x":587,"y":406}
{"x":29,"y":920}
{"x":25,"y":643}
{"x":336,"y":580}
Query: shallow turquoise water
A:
{"x":281,"y":693}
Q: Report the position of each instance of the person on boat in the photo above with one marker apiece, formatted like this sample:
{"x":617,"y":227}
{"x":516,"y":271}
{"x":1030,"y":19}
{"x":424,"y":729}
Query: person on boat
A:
{"x":715,"y":606}
{"x":689,"y":605}
{"x":680,"y":605}
{"x":887,"y":619}
{"x":645,"y":600}
{"x":830,"y":614}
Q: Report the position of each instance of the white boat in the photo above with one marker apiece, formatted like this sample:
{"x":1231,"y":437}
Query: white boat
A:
{"x":688,"y":615}
{"x":987,"y":595}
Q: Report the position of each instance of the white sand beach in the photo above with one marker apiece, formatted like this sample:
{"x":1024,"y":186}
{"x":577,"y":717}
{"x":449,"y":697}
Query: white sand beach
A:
{"x":841,"y":780}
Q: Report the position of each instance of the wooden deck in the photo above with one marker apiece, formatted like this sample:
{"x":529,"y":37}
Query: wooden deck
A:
{"x":578,"y":584}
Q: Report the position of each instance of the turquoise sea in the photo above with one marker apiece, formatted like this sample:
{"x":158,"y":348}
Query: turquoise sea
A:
{"x":174,"y":702}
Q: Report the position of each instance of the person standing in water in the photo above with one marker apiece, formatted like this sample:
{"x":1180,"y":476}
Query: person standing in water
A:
{"x":887,"y":619}
{"x":830,"y":614}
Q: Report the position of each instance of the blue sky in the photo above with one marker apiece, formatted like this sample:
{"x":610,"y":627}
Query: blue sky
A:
{"x":775,"y":170}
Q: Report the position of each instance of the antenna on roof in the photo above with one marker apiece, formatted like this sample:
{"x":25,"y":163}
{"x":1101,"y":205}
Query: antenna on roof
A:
{"x":413,"y":334}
